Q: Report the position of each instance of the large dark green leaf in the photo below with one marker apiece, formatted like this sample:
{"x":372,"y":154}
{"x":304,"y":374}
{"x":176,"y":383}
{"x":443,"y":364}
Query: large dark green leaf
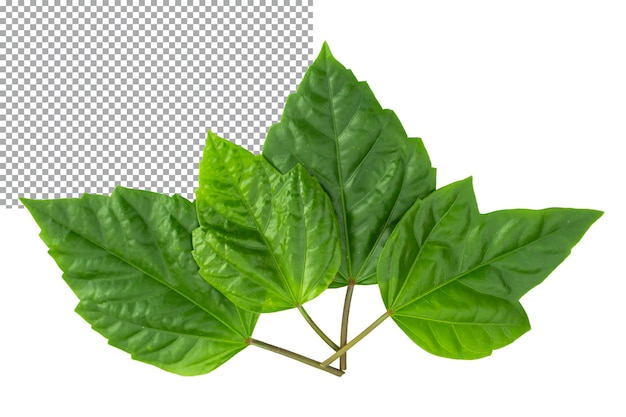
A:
{"x":128,"y":259}
{"x":452,"y":278}
{"x":360,"y":154}
{"x":267,"y":241}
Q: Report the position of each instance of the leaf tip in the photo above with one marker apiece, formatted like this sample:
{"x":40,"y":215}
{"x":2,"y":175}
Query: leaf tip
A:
{"x":31,"y":204}
{"x":25,"y":201}
{"x":593,"y":216}
{"x":464,"y":184}
{"x":325,"y":52}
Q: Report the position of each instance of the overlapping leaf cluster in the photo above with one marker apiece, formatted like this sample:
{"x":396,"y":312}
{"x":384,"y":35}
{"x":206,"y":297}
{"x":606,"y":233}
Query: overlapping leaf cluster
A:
{"x":340,"y":197}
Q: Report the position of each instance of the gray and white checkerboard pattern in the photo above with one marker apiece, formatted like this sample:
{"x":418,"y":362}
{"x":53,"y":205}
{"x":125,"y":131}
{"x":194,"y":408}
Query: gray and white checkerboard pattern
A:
{"x":96,"y":94}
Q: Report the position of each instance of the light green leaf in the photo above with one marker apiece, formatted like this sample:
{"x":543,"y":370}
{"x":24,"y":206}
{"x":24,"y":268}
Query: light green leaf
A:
{"x":267,"y":241}
{"x":128,"y":259}
{"x":359,"y":153}
{"x":452,"y":278}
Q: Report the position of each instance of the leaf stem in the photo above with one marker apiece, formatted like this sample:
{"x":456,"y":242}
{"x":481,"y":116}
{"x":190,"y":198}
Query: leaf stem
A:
{"x":319,"y":331}
{"x":354,"y":341}
{"x":295,"y":356}
{"x":344,"y":323}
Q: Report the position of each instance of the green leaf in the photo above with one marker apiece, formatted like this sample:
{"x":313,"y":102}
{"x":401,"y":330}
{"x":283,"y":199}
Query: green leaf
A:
{"x":452,"y":278}
{"x":128,"y":259}
{"x":360,"y":154}
{"x":267,"y":241}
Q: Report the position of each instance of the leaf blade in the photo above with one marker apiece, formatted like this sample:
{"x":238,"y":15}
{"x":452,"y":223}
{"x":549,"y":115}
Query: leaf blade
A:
{"x":375,"y":172}
{"x":452,"y":277}
{"x":271,"y":242}
{"x":128,"y":259}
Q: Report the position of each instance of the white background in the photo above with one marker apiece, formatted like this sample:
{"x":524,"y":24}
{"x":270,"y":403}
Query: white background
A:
{"x":527,"y":97}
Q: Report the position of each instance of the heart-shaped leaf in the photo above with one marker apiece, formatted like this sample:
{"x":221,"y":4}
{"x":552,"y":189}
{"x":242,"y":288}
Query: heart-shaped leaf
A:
{"x":267,"y":241}
{"x":451,"y":278}
{"x":359,"y":153}
{"x":128,"y":259}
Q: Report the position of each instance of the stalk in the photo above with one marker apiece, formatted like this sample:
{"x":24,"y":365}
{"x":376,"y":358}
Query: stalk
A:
{"x":319,"y":331}
{"x":295,"y":356}
{"x":354,"y":341}
{"x":344,"y":323}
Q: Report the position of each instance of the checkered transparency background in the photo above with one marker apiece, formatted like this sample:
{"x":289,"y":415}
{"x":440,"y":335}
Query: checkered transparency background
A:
{"x":96,"y":94}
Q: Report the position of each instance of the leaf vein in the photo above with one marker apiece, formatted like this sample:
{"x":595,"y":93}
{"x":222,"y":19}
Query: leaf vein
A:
{"x":145,"y":273}
{"x":484,"y":264}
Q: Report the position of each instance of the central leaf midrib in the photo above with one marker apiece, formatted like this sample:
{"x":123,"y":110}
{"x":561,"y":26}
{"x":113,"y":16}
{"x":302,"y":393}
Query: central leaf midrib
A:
{"x":145,"y":273}
{"x":266,"y":242}
{"x":453,"y":323}
{"x":85,"y":305}
{"x":339,"y":173}
{"x":477,"y":267}
{"x":306,"y":241}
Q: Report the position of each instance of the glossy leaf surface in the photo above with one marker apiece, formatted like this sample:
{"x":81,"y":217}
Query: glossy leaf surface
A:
{"x":267,"y":241}
{"x":359,"y":152}
{"x":128,"y":259}
{"x":452,"y":278}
